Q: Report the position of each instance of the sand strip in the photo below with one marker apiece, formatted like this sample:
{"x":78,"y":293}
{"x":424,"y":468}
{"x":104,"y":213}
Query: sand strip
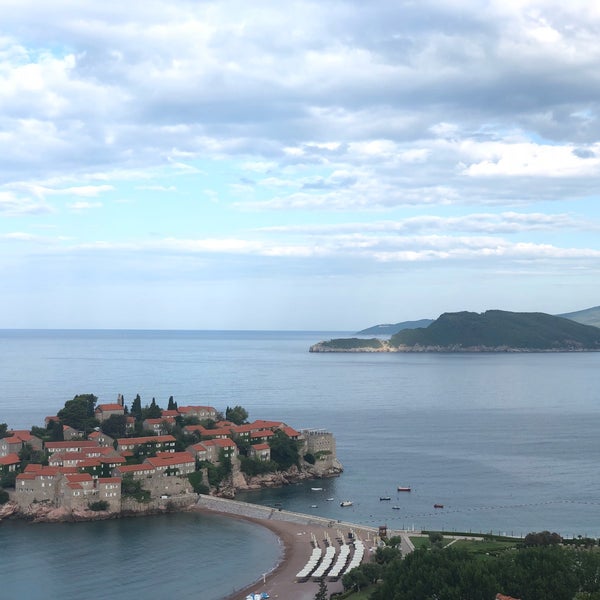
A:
{"x":281,"y":583}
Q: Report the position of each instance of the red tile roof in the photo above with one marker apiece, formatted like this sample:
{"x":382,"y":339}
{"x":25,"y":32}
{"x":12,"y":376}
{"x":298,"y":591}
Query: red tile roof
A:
{"x":109,"y":407}
{"x":72,"y":444}
{"x":290,"y":431}
{"x":134,"y":468}
{"x":78,"y":477}
{"x":262,"y":446}
{"x":145,"y":439}
{"x":109,"y":480}
{"x":10,"y":459}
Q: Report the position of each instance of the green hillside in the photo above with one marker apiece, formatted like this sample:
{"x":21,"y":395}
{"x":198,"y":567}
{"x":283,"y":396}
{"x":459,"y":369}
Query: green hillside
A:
{"x":502,"y":329}
{"x":589,"y":316}
{"x":348,"y":344}
{"x":391,"y":328}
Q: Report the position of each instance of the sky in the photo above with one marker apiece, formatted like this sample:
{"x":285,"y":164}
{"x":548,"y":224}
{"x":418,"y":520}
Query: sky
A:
{"x":178,"y":164}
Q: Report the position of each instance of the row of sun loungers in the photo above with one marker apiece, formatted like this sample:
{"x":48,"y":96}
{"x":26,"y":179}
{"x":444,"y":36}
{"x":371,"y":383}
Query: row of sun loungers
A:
{"x":318,"y":568}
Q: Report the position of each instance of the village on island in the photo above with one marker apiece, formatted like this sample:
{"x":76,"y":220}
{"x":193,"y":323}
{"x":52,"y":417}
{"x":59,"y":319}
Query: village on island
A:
{"x":95,"y":461}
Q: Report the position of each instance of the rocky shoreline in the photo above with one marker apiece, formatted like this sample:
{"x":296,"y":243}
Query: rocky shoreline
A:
{"x":387,"y":347}
{"x":46,"y":513}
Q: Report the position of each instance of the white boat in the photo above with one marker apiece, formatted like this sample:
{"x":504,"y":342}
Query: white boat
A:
{"x":329,"y":499}
{"x":316,"y":489}
{"x":345,"y":503}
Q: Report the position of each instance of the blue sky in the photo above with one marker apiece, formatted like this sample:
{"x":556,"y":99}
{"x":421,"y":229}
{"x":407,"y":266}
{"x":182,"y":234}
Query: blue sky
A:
{"x":235,"y":165}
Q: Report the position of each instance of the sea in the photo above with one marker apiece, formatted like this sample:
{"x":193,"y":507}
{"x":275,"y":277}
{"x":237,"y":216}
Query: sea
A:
{"x":508,"y":443}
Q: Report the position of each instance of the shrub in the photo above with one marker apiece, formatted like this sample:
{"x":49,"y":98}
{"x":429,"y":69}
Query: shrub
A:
{"x":3,"y":496}
{"x":99,"y":505}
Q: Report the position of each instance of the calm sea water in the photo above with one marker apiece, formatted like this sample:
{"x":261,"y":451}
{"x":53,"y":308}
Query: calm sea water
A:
{"x":507,"y":443}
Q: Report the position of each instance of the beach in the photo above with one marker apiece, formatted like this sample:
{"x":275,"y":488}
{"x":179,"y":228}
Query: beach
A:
{"x":296,"y":539}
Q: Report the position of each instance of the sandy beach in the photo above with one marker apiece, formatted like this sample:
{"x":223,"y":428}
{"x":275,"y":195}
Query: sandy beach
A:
{"x":281,"y":583}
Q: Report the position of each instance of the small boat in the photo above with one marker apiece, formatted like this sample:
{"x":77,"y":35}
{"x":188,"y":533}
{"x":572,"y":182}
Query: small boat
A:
{"x":438,"y":506}
{"x":395,"y":508}
{"x":329,"y":499}
{"x":384,"y":498}
{"x":313,"y":506}
{"x":403,"y":488}
{"x":316,"y":489}
{"x":345,"y":503}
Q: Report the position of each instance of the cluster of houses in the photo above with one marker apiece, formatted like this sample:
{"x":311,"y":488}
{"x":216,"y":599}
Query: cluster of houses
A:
{"x":83,"y":470}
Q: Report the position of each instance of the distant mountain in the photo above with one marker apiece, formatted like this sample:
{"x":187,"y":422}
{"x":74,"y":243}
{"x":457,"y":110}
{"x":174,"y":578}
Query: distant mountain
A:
{"x":391,"y":328}
{"x":496,"y":329}
{"x":589,"y":316}
{"x":491,"y":331}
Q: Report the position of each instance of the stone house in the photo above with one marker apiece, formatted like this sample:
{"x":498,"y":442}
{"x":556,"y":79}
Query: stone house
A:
{"x":172,"y":463}
{"x":158,"y":426}
{"x":260,"y":452}
{"x":17,"y":440}
{"x":153,"y":443}
{"x":101,"y":438}
{"x":71,"y":446}
{"x":202,"y":413}
{"x":37,"y":484}
{"x":9,"y":463}
{"x":105,"y":411}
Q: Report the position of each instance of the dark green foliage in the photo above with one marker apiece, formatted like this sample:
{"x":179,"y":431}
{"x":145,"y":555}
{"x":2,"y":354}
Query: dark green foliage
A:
{"x":4,"y":497}
{"x":198,"y":485}
{"x":448,"y":574}
{"x":531,"y":573}
{"x":351,"y":343}
{"x":172,"y":404}
{"x":28,"y":455}
{"x":7,"y":480}
{"x":115,"y":426}
{"x":237,"y":415}
{"x":154,"y":411}
{"x":542,"y":538}
{"x":254,"y":466}
{"x":79,"y":412}
{"x":538,"y":573}
{"x":284,"y":450}
{"x":309,"y":458}
{"x":217,"y":473}
{"x":3,"y":430}
{"x":99,"y":505}
{"x":502,"y":329}
{"x":132,"y":488}
{"x":136,"y":408}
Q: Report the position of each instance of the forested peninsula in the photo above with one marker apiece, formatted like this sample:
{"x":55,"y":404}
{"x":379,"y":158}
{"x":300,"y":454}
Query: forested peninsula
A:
{"x":491,"y":331}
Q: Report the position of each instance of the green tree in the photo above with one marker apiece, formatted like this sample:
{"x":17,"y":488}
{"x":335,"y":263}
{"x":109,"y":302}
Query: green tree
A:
{"x":136,"y":408}
{"x":4,"y":497}
{"x":28,"y":455}
{"x":172,"y":404}
{"x":132,"y":488}
{"x":3,"y":430}
{"x":154,"y":411}
{"x":79,"y":412}
{"x":115,"y":426}
{"x":284,"y":450}
{"x":237,"y":415}
{"x":197,"y":482}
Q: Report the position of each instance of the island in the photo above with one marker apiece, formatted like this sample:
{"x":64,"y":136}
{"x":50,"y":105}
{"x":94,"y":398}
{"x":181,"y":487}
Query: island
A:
{"x":491,"y":331}
{"x":94,"y":461}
